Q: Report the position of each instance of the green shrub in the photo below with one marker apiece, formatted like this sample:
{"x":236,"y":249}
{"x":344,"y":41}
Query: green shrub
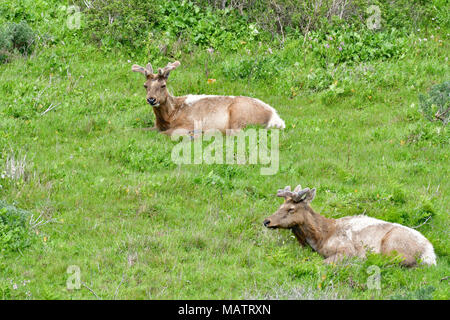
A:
{"x":350,"y":45}
{"x":118,"y":23}
{"x":14,"y":228}
{"x":157,"y":25}
{"x":16,"y":37}
{"x":204,"y":26}
{"x":436,"y":105}
{"x":285,"y":16}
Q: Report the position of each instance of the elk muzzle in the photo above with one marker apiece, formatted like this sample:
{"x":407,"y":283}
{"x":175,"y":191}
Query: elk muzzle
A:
{"x":267,"y":223}
{"x":152,"y":101}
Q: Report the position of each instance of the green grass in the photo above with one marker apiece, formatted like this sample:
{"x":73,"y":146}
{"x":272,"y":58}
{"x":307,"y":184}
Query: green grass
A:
{"x":141,"y":227}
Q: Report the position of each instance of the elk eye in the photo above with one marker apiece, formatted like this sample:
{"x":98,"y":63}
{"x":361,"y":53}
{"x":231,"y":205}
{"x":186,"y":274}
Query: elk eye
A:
{"x":163,"y":86}
{"x":145,"y":86}
{"x":291,"y":210}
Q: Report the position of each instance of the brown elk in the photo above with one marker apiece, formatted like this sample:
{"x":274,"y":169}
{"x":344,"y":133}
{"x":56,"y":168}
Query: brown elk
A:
{"x":335,"y":239}
{"x":227,"y":114}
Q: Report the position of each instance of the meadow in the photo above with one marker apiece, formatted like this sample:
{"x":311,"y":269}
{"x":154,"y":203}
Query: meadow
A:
{"x":91,"y":189}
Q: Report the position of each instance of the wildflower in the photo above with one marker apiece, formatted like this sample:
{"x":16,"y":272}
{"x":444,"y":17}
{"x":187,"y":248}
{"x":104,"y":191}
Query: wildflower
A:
{"x":327,"y":45}
{"x":210,"y":50}
{"x":253,"y":29}
{"x":15,"y":286}
{"x":269,"y":50}
{"x":330,"y":38}
{"x":340,"y":48}
{"x":211,"y":81}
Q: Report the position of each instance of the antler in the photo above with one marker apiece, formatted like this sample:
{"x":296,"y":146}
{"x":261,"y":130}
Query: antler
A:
{"x":296,"y":195}
{"x":145,"y":71}
{"x":164,"y":72}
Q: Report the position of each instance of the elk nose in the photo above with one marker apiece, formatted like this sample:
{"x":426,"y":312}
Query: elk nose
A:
{"x":266,"y":222}
{"x":152,"y":101}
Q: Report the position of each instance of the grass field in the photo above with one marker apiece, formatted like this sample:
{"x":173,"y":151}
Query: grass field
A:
{"x":141,"y":227}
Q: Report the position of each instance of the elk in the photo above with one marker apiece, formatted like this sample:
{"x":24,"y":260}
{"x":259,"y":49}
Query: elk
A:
{"x":227,"y":114}
{"x":335,"y":239}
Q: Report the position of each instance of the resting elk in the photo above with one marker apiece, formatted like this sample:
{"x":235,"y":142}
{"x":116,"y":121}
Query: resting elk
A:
{"x":350,"y":236}
{"x":227,"y":114}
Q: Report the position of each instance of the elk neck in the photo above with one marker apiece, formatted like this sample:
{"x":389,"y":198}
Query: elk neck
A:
{"x":315,"y":230}
{"x":165,"y":112}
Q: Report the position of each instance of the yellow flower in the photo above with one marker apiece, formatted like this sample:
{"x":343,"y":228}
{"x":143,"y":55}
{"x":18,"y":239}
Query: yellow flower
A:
{"x":45,"y":239}
{"x":402,"y":142}
{"x":211,"y":81}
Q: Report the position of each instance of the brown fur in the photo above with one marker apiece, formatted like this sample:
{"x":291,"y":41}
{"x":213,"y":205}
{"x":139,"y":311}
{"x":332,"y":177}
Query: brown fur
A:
{"x":348,"y":236}
{"x":223,"y":113}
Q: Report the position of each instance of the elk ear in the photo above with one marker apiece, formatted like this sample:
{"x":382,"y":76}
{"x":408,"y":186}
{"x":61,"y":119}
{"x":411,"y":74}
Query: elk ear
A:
{"x":310,"y":195}
{"x":136,"y":68}
{"x":149,"y":68}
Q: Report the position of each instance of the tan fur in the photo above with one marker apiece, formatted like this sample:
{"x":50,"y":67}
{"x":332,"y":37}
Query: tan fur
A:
{"x":335,"y":239}
{"x":223,"y":113}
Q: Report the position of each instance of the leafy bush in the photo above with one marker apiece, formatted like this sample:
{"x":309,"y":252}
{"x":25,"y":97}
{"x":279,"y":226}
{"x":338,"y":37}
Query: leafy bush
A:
{"x":284,"y":16}
{"x":436,"y":105}
{"x":204,"y":26}
{"x":14,"y":230}
{"x":16,"y":37}
{"x":135,"y":23}
{"x":117,"y":23}
{"x":350,"y":45}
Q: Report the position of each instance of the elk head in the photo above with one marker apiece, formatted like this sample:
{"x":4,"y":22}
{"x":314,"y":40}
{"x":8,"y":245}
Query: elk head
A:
{"x":294,"y":209}
{"x":155,"y":83}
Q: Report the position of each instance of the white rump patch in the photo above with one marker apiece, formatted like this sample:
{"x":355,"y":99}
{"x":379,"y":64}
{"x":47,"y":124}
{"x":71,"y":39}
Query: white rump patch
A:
{"x":428,"y":256}
{"x":275,"y":121}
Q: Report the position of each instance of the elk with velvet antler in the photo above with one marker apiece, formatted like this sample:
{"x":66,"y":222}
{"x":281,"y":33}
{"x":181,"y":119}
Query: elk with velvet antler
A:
{"x":335,"y":239}
{"x":227,"y":114}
